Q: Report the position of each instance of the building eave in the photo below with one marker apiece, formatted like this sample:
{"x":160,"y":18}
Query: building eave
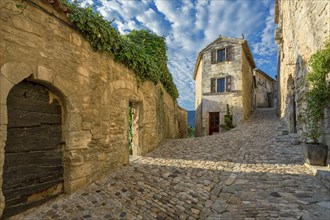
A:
{"x":198,"y":60}
{"x":265,"y":74}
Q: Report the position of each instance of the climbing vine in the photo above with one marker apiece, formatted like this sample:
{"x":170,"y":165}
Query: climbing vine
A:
{"x":142,"y":51}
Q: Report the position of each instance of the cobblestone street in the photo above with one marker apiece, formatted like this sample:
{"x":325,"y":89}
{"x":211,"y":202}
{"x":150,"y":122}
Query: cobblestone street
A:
{"x":240,"y":174}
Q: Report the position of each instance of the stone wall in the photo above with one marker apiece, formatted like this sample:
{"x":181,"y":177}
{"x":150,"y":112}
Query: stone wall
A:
{"x":303,"y":27}
{"x":40,"y":45}
{"x":265,"y":90}
{"x":248,"y":88}
{"x":198,"y":100}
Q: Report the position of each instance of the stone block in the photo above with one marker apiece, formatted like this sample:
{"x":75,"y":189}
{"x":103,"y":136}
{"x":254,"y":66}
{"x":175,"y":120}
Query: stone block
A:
{"x":73,"y":122}
{"x":46,"y":74}
{"x":65,"y":86}
{"x":73,"y":185}
{"x":3,"y":114}
{"x":83,"y":71}
{"x":75,"y":39}
{"x":73,"y":157}
{"x":78,"y":139}
{"x":15,"y":72}
{"x":119,"y":85}
{"x":27,"y":26}
{"x":5,"y":87}
{"x":79,"y":171}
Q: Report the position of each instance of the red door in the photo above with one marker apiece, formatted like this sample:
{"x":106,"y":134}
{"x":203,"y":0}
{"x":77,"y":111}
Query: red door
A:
{"x":213,"y":122}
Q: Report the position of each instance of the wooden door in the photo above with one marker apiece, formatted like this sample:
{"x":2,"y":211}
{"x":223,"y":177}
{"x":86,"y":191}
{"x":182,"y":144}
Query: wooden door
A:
{"x":213,"y":122}
{"x":33,"y":165}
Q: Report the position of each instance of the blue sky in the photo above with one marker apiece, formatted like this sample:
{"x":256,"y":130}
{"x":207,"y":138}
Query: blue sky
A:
{"x":190,"y":25}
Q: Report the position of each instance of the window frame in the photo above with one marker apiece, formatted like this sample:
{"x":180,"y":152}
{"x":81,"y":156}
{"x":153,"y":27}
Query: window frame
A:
{"x":215,"y":55}
{"x":227,"y":84}
{"x":223,"y":54}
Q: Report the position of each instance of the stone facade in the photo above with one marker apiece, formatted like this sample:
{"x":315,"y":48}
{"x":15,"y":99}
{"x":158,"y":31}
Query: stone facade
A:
{"x":303,"y":27}
{"x":236,"y":71}
{"x":265,"y":90}
{"x":40,"y":45}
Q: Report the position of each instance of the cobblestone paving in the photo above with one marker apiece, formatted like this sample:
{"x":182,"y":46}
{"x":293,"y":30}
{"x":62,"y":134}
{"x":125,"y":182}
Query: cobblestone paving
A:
{"x":241,"y":174}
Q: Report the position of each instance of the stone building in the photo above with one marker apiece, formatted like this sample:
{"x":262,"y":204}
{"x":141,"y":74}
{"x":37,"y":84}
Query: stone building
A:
{"x":64,"y":108}
{"x":223,"y":75}
{"x":303,"y":27}
{"x":265,"y":89}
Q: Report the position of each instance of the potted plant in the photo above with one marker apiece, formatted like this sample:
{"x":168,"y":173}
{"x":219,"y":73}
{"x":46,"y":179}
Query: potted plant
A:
{"x":316,"y":99}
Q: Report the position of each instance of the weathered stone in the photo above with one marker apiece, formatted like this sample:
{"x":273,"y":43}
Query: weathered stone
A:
{"x":219,"y":206}
{"x":146,"y":181}
{"x":234,"y":200}
{"x":296,"y":44}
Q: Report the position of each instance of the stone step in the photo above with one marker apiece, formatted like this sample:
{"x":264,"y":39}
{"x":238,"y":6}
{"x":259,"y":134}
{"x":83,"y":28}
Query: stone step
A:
{"x":322,"y":173}
{"x":324,"y":176}
{"x":283,"y":138}
{"x":282,"y":130}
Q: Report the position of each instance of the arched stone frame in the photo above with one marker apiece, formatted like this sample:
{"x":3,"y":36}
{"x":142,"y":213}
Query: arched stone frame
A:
{"x":132,"y":94}
{"x":12,"y":73}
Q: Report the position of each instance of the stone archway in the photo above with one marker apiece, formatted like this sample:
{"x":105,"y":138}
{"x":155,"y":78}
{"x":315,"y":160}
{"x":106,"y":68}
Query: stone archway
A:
{"x":33,"y":160}
{"x":122,"y":96}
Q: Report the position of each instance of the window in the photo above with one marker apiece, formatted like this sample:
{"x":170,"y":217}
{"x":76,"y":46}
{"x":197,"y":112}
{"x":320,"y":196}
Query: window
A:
{"x":221,"y":84}
{"x":220,"y":55}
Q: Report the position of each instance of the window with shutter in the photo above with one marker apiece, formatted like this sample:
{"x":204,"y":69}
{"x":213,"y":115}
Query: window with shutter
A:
{"x":221,"y":55}
{"x":221,"y":85}
{"x":229,"y":53}
{"x":213,"y":56}
{"x":228,"y":83}
{"x":213,"y":85}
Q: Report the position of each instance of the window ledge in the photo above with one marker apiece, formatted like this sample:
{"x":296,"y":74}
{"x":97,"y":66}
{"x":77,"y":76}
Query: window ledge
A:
{"x":221,"y":93}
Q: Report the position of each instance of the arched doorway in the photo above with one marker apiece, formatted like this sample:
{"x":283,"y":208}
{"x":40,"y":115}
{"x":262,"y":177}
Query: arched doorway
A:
{"x":33,"y":164}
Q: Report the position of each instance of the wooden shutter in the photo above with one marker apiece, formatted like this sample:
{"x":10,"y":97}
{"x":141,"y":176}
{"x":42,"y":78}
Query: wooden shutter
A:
{"x":229,"y":53}
{"x":213,"y":89}
{"x":213,"y":56}
{"x":228,"y":83}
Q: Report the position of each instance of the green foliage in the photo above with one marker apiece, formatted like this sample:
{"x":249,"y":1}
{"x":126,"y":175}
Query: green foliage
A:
{"x":228,"y":119}
{"x":21,"y":6}
{"x":317,"y":97}
{"x":142,"y":51}
{"x":191,"y":131}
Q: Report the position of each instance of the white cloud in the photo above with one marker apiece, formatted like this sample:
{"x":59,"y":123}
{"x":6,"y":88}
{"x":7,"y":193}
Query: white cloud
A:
{"x":266,"y":46}
{"x":86,"y":3}
{"x":190,"y":25}
{"x":152,"y":19}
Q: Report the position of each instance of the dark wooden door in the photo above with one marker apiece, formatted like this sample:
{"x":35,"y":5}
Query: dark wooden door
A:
{"x":33,"y":167}
{"x":213,"y":122}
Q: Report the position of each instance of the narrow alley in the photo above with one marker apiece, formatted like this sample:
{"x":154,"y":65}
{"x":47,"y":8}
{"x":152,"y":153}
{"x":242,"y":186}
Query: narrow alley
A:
{"x":240,"y":174}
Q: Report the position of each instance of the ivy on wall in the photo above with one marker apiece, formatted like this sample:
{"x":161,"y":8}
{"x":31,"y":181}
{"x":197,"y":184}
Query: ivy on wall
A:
{"x":142,"y":51}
